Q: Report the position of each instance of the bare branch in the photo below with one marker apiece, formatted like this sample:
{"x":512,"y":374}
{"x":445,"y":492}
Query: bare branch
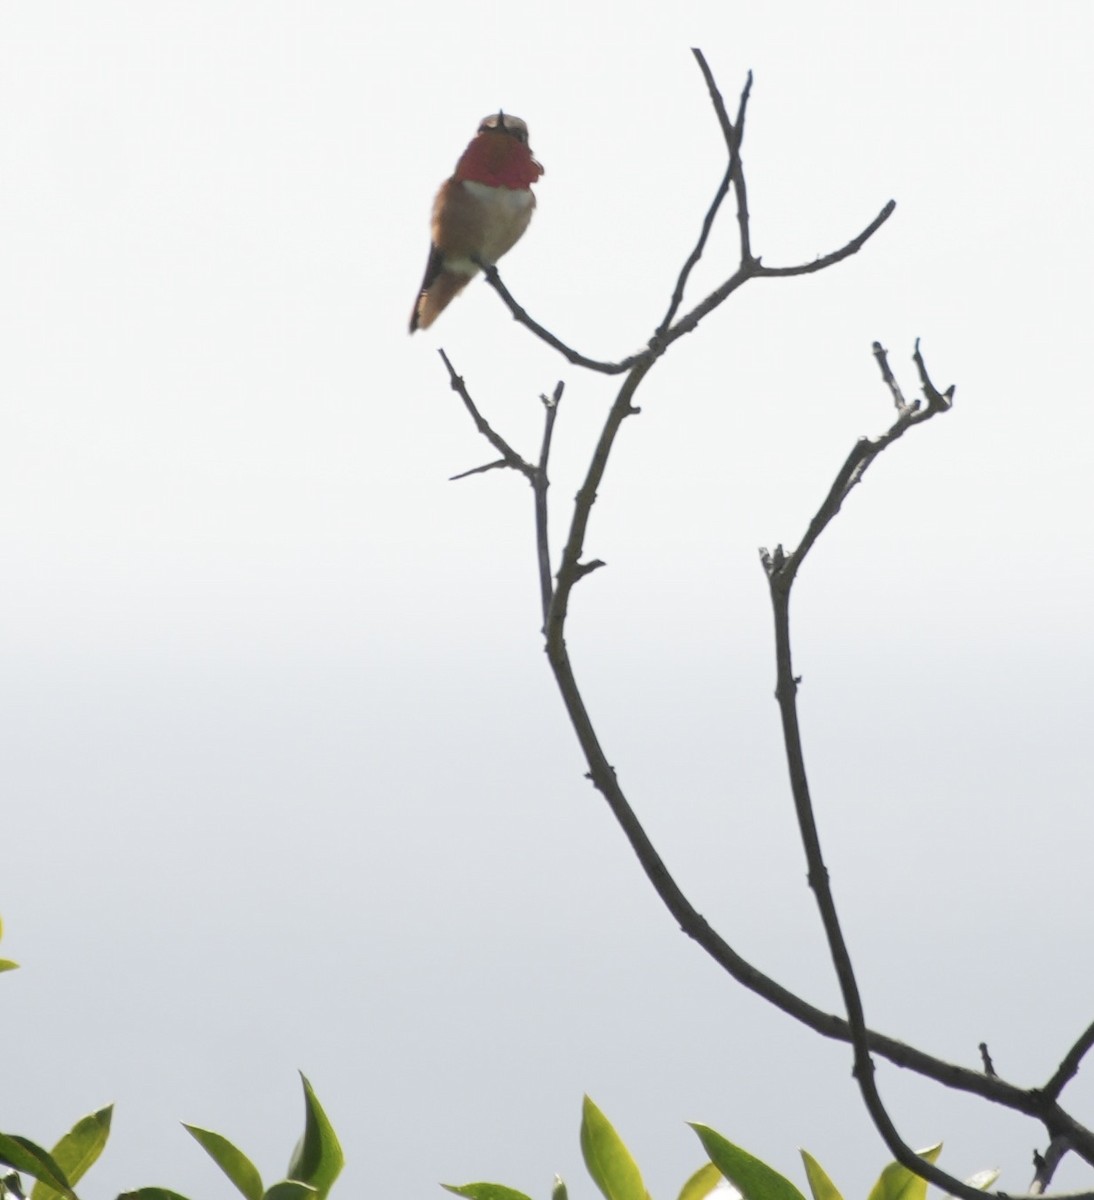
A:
{"x":1069,"y":1068}
{"x":540,"y":484}
{"x":750,"y":267}
{"x":490,"y":466}
{"x":1045,"y":1165}
{"x":985,"y":1057}
{"x":827,"y":260}
{"x":536,"y":475}
{"x":937,"y":401}
{"x":690,"y":321}
{"x":863,"y":1071}
{"x":510,"y":458}
{"x":696,"y":254}
{"x":733,"y":134}
{"x":605,"y":779}
{"x":882,"y":356}
{"x":545,"y":335}
{"x":781,"y":571}
{"x":857,"y":463}
{"x":571,"y":569}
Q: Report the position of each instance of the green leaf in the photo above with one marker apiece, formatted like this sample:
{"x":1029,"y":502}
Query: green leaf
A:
{"x":231,"y":1160}
{"x":983,"y":1180}
{"x":609,"y":1161}
{"x":24,"y":1155}
{"x":754,"y":1179}
{"x":317,"y":1159}
{"x":11,"y":1185}
{"x":5,"y":963}
{"x":290,"y":1189}
{"x":77,"y":1150}
{"x":151,"y":1193}
{"x":558,"y":1191}
{"x":821,"y":1186}
{"x":702,"y":1183}
{"x":896,"y":1182}
{"x":484,"y":1191}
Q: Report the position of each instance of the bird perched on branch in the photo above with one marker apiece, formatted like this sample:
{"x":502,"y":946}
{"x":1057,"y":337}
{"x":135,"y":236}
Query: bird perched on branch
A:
{"x":479,"y":213}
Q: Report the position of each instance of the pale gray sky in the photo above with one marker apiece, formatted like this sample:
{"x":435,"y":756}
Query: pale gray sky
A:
{"x":286,"y":784}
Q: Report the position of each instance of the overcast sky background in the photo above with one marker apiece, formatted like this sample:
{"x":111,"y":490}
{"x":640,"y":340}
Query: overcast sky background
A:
{"x":285,"y":781}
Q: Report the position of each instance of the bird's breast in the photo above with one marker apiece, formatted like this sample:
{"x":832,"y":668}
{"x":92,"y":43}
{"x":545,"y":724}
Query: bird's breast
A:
{"x":475,"y":220}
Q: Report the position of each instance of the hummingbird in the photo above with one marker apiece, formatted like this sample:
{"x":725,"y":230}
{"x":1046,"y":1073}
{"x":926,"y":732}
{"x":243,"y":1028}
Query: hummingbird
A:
{"x":479,"y":213}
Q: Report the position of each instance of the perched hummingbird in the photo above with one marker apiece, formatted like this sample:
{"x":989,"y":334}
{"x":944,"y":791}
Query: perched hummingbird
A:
{"x":479,"y":213}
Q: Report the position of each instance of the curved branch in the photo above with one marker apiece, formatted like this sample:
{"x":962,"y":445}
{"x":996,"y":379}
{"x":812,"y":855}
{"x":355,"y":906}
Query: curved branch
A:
{"x":545,"y":335}
{"x":605,"y":779}
{"x":828,"y":260}
{"x":782,"y":569}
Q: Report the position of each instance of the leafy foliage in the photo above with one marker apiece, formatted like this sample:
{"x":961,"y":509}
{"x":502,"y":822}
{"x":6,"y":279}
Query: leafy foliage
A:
{"x":28,"y":1157}
{"x":5,"y":965}
{"x":76,"y":1152}
{"x":317,"y":1159}
{"x":754,"y":1179}
{"x":485,"y":1191}
{"x":315,"y":1164}
{"x":730,"y":1169}
{"x":896,"y":1182}
{"x":607,"y":1159}
{"x":232,"y":1161}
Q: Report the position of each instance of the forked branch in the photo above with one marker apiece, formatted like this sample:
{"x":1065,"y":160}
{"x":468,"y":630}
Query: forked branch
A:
{"x":749,"y":266}
{"x":1064,"y":1131}
{"x":781,"y":572}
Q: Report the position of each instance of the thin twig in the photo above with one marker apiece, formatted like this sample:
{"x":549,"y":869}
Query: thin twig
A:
{"x":545,"y":335}
{"x":540,"y":484}
{"x":859,"y":460}
{"x":828,"y":260}
{"x":882,"y":356}
{"x":985,"y":1057}
{"x":490,"y":466}
{"x":734,"y":133}
{"x":696,"y":254}
{"x":753,"y":268}
{"x":510,"y":457}
{"x":536,"y":475}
